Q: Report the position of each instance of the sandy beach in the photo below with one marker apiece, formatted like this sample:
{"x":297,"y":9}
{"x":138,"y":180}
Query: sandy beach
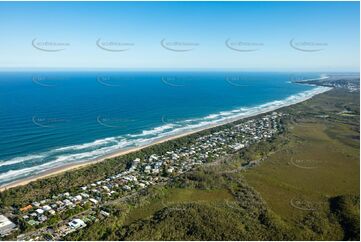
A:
{"x":58,"y":170}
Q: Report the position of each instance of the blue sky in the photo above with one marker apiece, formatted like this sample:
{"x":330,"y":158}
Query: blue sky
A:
{"x":278,"y":36}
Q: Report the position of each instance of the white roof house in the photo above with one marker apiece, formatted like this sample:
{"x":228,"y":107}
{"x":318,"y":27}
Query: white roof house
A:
{"x":77,"y":223}
{"x":39,"y":211}
{"x":106,"y":214}
{"x":237,"y":146}
{"x":46,"y":208}
{"x":6,"y":226}
{"x":67,"y":202}
{"x":93,"y":200}
{"x":36,"y":204}
{"x":127,"y":188}
{"x":153,"y":157}
{"x":85,"y":195}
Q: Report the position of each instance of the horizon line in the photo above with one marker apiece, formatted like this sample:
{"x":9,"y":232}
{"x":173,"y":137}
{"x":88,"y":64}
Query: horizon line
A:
{"x":93,"y":69}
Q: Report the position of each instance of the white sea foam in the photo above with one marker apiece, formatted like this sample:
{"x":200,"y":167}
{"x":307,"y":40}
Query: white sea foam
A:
{"x":36,"y":157}
{"x":61,"y":161}
{"x":101,"y":147}
{"x":15,"y":174}
{"x":21,"y":159}
{"x":153,"y":131}
{"x":211,"y":116}
{"x":227,"y":113}
{"x":93,"y":144}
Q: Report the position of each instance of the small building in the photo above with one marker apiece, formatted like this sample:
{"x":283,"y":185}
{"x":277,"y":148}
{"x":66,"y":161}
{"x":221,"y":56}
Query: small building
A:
{"x":147,"y":169}
{"x":68,"y":203}
{"x":170,"y":170}
{"x":39,"y":211}
{"x":84,"y":195}
{"x":127,"y":188}
{"x":36,"y":204}
{"x":153,"y":157}
{"x":237,"y":146}
{"x":77,"y":223}
{"x":46,"y":208}
{"x":106,"y":188}
{"x":33,"y":222}
{"x":42,"y":218}
{"x":77,"y":198}
{"x":26,"y":208}
{"x":59,"y":203}
{"x":155,"y":171}
{"x":93,"y":201}
{"x":104,"y":213}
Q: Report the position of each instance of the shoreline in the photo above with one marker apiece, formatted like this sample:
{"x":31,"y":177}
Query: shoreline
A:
{"x":69,"y":167}
{"x":65,"y":168}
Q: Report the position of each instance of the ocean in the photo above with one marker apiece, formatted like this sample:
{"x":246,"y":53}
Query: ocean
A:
{"x":52,"y":119}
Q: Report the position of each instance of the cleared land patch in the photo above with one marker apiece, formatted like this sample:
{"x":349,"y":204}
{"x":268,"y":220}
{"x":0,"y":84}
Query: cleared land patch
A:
{"x":177,"y":196}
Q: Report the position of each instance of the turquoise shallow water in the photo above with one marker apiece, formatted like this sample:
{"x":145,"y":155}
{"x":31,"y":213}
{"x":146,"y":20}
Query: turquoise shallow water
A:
{"x":49,"y":119}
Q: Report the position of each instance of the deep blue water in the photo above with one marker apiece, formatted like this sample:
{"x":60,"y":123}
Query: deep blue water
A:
{"x":48,"y":119}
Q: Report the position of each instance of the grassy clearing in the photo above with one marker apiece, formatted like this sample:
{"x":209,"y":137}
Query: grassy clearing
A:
{"x":174,"y":197}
